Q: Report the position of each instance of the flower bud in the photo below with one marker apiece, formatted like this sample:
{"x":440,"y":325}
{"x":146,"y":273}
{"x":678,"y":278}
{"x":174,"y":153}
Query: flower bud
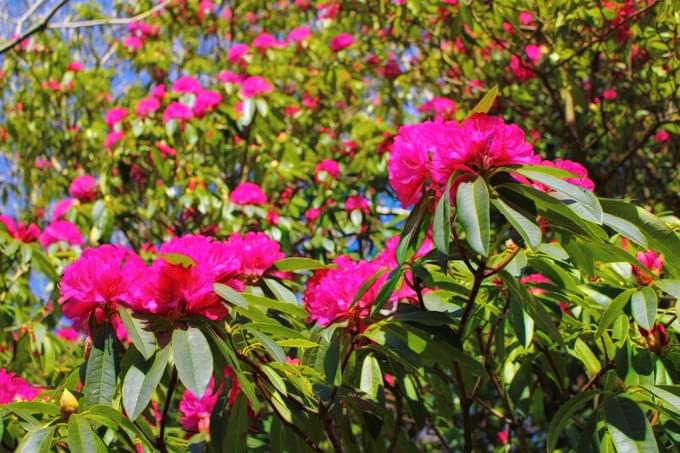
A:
{"x":68,"y":404}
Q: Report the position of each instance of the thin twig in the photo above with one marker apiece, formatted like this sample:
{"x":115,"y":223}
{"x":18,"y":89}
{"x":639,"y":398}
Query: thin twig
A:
{"x":108,"y":20}
{"x":42,"y":25}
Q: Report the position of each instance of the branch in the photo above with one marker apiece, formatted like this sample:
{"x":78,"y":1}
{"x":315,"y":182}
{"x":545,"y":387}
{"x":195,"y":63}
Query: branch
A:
{"x":33,"y":8}
{"x":42,"y":25}
{"x":109,"y":20}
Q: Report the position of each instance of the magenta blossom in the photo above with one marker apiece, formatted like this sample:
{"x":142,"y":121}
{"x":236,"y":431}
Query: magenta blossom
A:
{"x":84,"y":188}
{"x":147,"y":106}
{"x":299,"y":34}
{"x":165,"y":149}
{"x":68,"y":333}
{"x":255,"y":86}
{"x":158,"y":92}
{"x":177,"y":111}
{"x":186,"y":84}
{"x":248,"y":193}
{"x":61,"y":208}
{"x":133,"y":43}
{"x":257,"y":253}
{"x":14,"y":388}
{"x":230,"y":77}
{"x":341,"y":41}
{"x":442,"y":108}
{"x":236,"y":53}
{"x":75,"y":66}
{"x":265,"y":41}
{"x":115,"y":116}
{"x":526,"y":17}
{"x":61,"y":231}
{"x":19,"y":231}
{"x":206,"y":101}
{"x":358,"y":203}
{"x":112,"y":138}
{"x":329,"y":167}
{"x":196,"y":411}
{"x":312,"y":214}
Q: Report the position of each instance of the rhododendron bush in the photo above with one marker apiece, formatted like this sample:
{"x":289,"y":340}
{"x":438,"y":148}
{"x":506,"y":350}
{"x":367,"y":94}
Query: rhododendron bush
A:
{"x":296,"y":225}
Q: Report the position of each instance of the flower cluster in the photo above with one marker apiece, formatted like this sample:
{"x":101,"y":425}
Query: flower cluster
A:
{"x":15,"y":388}
{"x":177,"y":284}
{"x":331,"y":293}
{"x":426,"y":155}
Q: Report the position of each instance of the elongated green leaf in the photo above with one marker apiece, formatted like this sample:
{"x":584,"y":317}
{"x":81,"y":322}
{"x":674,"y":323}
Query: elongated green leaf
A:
{"x":270,"y":345}
{"x":301,"y":264}
{"x":275,"y":379}
{"x":230,"y":295}
{"x":582,"y":352}
{"x":297,"y":343}
{"x":669,"y":394}
{"x":371,"y":377}
{"x":561,"y":418}
{"x":628,"y":426}
{"x":669,"y":286}
{"x":102,"y":369}
{"x":441,"y":228}
{"x":138,"y":331}
{"x":178,"y":259}
{"x":37,"y":440}
{"x":643,"y":304}
{"x":485,"y":104}
{"x":526,"y":228}
{"x":613,"y":311}
{"x":286,"y":307}
{"x":81,"y":438}
{"x":469,"y":364}
{"x":626,"y":228}
{"x":141,"y":381}
{"x":411,"y":233}
{"x":193,"y":359}
{"x":472,"y":207}
{"x":237,"y":427}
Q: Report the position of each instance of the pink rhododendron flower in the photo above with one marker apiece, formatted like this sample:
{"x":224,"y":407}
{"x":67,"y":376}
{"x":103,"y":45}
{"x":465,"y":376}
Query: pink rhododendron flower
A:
{"x":75,"y":66}
{"x":255,"y":86}
{"x":581,"y":179}
{"x":535,"y":279}
{"x":43,"y":163}
{"x":178,"y":290}
{"x":68,"y":333}
{"x":408,"y":166}
{"x":248,"y":193}
{"x":84,"y":188}
{"x":61,"y":208}
{"x":357,"y":202}
{"x":19,"y":231}
{"x":97,"y":282}
{"x":520,"y":70}
{"x":534,"y":53}
{"x":61,"y":230}
{"x":14,"y":388}
{"x":165,"y":149}
{"x":341,"y":41}
{"x":236,"y":53}
{"x":662,"y":136}
{"x":177,"y":111}
{"x":609,"y":94}
{"x":299,"y":34}
{"x":479,"y":144}
{"x":133,"y":43}
{"x":526,"y":17}
{"x":158,"y":92}
{"x":652,"y":261}
{"x":206,"y":101}
{"x":330,"y":292}
{"x":186,"y":84}
{"x":442,"y":108}
{"x":196,"y":411}
{"x":312,"y":214}
{"x":257,"y":253}
{"x":230,"y":77}
{"x":114,"y":116}
{"x":329,"y":166}
{"x":112,"y":138}
{"x":146,"y":106}
{"x":265,"y":41}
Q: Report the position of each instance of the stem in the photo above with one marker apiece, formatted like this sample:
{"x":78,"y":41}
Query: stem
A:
{"x":479,"y":277}
{"x":397,"y":422}
{"x":164,"y":418}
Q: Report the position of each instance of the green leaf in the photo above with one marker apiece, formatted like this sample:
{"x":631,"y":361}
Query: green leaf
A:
{"x":230,"y":295}
{"x":472,"y":207}
{"x":625,"y":228}
{"x":527,"y":228}
{"x":412,"y":232}
{"x":141,"y":381}
{"x":371,"y":377}
{"x":237,"y":426}
{"x":276,"y":351}
{"x":643,"y":304}
{"x":102,"y":368}
{"x":297,"y":343}
{"x":281,"y":407}
{"x":669,"y":286}
{"x":485,"y":104}
{"x":138,"y":331}
{"x":628,"y":426}
{"x":37,"y":440}
{"x":586,"y":198}
{"x":613,"y":311}
{"x":275,"y":379}
{"x":178,"y":259}
{"x":669,"y":394}
{"x":81,"y":438}
{"x":193,"y":359}
{"x":582,"y":352}
{"x":564,"y":414}
{"x":301,"y":264}
{"x":468,"y":363}
{"x":441,"y":228}
{"x":43,"y":264}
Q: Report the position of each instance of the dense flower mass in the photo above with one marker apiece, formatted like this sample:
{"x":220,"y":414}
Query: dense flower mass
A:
{"x":257,"y":253}
{"x":84,"y":188}
{"x":248,"y":193}
{"x":15,"y":388}
{"x":61,"y":231}
{"x":19,"y":231}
